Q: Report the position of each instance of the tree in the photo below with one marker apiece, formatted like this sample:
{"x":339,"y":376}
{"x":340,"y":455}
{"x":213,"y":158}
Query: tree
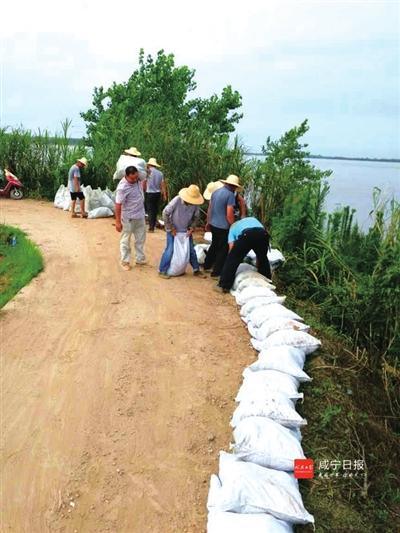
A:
{"x":153,"y":111}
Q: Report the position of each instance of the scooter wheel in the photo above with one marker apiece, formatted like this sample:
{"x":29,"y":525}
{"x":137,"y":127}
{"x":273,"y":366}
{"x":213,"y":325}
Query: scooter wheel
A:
{"x":16,"y":194}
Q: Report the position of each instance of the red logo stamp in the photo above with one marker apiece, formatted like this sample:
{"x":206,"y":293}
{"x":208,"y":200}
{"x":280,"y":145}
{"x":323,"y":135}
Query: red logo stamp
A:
{"x":303,"y":468}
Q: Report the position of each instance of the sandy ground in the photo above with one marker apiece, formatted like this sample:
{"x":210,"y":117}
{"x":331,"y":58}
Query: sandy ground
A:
{"x":117,"y":387}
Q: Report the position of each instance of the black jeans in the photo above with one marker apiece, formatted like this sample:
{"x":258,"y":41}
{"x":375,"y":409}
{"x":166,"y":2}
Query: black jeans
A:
{"x":256,"y":239}
{"x":218,"y":250}
{"x":152,"y":205}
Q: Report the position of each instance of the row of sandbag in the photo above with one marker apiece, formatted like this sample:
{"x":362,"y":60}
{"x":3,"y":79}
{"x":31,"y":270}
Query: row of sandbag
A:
{"x":98,"y":203}
{"x":255,"y":489}
{"x":275,"y":257}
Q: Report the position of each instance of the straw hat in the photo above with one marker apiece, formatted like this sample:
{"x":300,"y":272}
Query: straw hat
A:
{"x":211,"y":187}
{"x":191,"y":195}
{"x":153,"y":162}
{"x":232,"y":180}
{"x":133,"y":151}
{"x":83,"y":160}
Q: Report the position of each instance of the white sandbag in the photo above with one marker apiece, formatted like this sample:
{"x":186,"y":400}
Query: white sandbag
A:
{"x":274,"y":405}
{"x":126,"y":161}
{"x":275,"y":258}
{"x":258,"y":385}
{"x":201,"y":250}
{"x":110,"y":194}
{"x":296,"y":355}
{"x":250,"y":488}
{"x":254,"y":282}
{"x":261,"y":314}
{"x":290,"y":337}
{"x":93,"y":199}
{"x":248,"y":293}
{"x":282,"y":364}
{"x":245,"y":267}
{"x":260,"y":301}
{"x":245,"y":274}
{"x":59,"y":197}
{"x":100,"y":212}
{"x":265,"y":442}
{"x":225,"y":522}
{"x":106,"y":201}
{"x":181,"y":255}
{"x":66,"y":203}
{"x":269,"y":327}
{"x":208,"y":236}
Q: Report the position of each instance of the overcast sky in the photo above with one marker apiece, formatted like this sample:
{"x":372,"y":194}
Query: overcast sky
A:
{"x":331,"y":61}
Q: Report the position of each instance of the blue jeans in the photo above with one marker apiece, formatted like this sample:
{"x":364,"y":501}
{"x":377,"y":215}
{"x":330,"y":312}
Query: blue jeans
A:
{"x":169,"y":250}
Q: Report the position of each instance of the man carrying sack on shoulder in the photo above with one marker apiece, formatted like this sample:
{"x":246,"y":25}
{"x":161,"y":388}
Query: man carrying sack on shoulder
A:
{"x":155,"y":188}
{"x":181,"y":215}
{"x":245,"y":235}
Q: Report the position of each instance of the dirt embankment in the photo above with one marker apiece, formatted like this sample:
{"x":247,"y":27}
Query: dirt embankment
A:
{"x":117,"y":387}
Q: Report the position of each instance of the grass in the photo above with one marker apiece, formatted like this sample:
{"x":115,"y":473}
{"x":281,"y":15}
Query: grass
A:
{"x":349,"y":418}
{"x":18,"y":264}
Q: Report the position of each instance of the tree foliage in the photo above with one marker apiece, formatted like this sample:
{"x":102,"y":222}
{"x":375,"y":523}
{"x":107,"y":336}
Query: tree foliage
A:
{"x":154,"y":112}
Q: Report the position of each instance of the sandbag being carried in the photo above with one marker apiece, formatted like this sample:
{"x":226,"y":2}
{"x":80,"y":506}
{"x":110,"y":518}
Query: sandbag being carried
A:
{"x":249,"y":488}
{"x":126,"y":161}
{"x":263,"y":441}
{"x":181,"y":255}
{"x":225,"y":522}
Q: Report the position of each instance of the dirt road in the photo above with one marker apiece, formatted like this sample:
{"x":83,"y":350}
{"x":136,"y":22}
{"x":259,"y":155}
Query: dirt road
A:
{"x":117,"y":387}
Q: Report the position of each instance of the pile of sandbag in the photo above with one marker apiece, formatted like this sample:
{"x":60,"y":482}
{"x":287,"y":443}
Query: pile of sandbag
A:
{"x":275,"y":257}
{"x":255,"y":489}
{"x":98,"y":203}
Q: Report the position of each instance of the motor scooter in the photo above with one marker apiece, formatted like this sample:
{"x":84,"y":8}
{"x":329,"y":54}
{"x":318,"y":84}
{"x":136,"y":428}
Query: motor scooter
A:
{"x":13,"y":188}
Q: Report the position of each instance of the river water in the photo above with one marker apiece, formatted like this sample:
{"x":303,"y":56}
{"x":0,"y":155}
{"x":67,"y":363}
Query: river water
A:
{"x":352,"y":183}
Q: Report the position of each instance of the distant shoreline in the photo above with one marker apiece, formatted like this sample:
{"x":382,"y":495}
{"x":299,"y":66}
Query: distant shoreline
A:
{"x":343,"y":158}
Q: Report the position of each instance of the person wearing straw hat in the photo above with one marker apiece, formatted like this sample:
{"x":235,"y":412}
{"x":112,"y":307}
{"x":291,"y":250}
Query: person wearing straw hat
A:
{"x":155,"y":187}
{"x":245,"y":235}
{"x":130,"y":158}
{"x":181,"y":215}
{"x":220,"y":216}
{"x":75,"y":189}
{"x":212,"y":187}
{"x":129,"y":217}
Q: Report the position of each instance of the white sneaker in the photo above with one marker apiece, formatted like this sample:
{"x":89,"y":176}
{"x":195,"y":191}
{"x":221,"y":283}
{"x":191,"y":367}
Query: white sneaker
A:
{"x":141,"y":262}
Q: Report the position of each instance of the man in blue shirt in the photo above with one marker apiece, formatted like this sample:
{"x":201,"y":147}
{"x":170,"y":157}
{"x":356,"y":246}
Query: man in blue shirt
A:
{"x":155,"y":187}
{"x":220,"y":215}
{"x":245,"y":235}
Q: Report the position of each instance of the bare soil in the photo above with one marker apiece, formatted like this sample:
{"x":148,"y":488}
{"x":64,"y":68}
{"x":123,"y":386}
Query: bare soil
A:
{"x":117,"y":387}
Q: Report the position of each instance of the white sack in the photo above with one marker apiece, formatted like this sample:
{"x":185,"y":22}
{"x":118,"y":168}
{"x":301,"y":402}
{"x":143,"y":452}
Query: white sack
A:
{"x":269,"y":327}
{"x":254,"y":282}
{"x":265,"y":442}
{"x":258,"y":385}
{"x":248,"y":293}
{"x":207,"y":236}
{"x":181,"y":255}
{"x":106,"y":201}
{"x":245,"y":274}
{"x":224,"y":522}
{"x":250,"y":488}
{"x":59,"y":197}
{"x":201,"y":250}
{"x":258,"y":302}
{"x":290,"y":337}
{"x":296,"y":355}
{"x":100,"y":212}
{"x":274,"y":405}
{"x":281,"y":364}
{"x":126,"y":161}
{"x":261,"y":314}
{"x":245,"y":267}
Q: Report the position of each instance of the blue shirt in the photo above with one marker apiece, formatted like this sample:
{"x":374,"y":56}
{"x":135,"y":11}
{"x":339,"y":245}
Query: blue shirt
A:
{"x":238,"y":227}
{"x":74,"y":171}
{"x":154,"y":180}
{"x":220,"y":200}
